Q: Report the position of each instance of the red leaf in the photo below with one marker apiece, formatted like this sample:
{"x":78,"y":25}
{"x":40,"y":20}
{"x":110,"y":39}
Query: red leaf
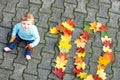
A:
{"x":59,"y":73}
{"x":80,"y":49}
{"x":70,"y":22}
{"x":77,"y":71}
{"x":107,"y":43}
{"x":86,"y":35}
{"x":64,"y":54}
{"x":96,"y":77}
{"x":103,"y":28}
{"x":66,"y":31}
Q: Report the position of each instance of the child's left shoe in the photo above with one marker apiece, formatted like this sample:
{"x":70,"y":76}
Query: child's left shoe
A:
{"x":28,"y":57}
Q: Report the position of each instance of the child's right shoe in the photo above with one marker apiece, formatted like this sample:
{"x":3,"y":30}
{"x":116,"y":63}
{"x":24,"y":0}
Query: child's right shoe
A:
{"x":28,"y":57}
{"x":7,"y":49}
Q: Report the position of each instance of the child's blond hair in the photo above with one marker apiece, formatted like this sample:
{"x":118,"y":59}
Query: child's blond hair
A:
{"x":27,"y":17}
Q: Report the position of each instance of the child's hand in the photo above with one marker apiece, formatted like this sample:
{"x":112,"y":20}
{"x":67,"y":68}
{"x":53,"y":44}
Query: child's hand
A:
{"x":30,"y":46}
{"x":12,"y":39}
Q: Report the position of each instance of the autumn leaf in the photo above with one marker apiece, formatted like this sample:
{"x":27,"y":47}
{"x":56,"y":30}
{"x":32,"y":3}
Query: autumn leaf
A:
{"x":98,"y":26}
{"x":82,"y":75}
{"x":67,"y":32}
{"x":78,"y":59}
{"x":86,"y":35}
{"x":67,"y":26}
{"x":103,"y":28}
{"x":109,"y":55}
{"x":96,"y":77}
{"x":103,"y":61}
{"x":59,"y":72}
{"x":107,"y":43}
{"x":65,"y":38}
{"x":106,"y":38}
{"x":107,"y":49}
{"x":63,"y":54}
{"x":82,"y":65}
{"x":64,"y":45}
{"x":80,"y":49}
{"x":61,"y":62}
{"x":101,"y":74}
{"x":81,"y":54}
{"x":89,"y":77}
{"x":105,"y":33}
{"x":87,"y":28}
{"x":54,"y":30}
{"x":93,"y":26}
{"x":75,"y":70}
{"x":70,"y":22}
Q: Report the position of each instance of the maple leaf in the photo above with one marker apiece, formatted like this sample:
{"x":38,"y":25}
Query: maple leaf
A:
{"x":109,"y":55}
{"x":64,"y":54}
{"x":82,"y":65}
{"x":101,"y":74}
{"x":80,"y":49}
{"x":93,"y":26}
{"x":80,"y":42}
{"x":60,"y":27}
{"x":54,"y":30}
{"x":61,"y":62}
{"x":65,"y":38}
{"x":106,"y":38}
{"x":75,"y":70}
{"x":96,"y":77}
{"x":70,"y":22}
{"x":103,"y":28}
{"x":87,"y":28}
{"x":105,"y":33}
{"x":107,"y":43}
{"x":67,"y":26}
{"x":89,"y":77}
{"x":86,"y":35}
{"x":68,"y":32}
{"x":107,"y":49}
{"x":81,"y":54}
{"x":82,"y":75}
{"x":59,"y":73}
{"x":103,"y":61}
{"x":98,"y":26}
{"x":64,"y":45}
{"x":78,"y":59}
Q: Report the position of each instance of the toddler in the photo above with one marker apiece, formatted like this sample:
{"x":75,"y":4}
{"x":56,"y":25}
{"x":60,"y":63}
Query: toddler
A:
{"x":27,"y":31}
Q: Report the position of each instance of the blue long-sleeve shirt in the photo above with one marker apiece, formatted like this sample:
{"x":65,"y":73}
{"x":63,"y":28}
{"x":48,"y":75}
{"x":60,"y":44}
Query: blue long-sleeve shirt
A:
{"x":30,"y":34}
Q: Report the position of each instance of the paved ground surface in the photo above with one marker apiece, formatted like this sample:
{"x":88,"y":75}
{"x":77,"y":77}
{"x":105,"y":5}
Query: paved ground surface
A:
{"x":48,"y":13}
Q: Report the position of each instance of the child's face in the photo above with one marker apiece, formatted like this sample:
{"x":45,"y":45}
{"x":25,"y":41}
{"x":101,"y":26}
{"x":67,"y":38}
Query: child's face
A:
{"x":26,"y":24}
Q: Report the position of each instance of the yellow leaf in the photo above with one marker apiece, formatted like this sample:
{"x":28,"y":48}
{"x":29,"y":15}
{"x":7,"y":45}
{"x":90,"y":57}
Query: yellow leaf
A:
{"x":82,"y":65}
{"x":54,"y":30}
{"x":81,"y":54}
{"x":93,"y":26}
{"x":66,"y":25}
{"x":65,"y":38}
{"x":61,"y":62}
{"x":101,"y":74}
{"x":65,"y":44}
{"x":89,"y":77}
{"x":82,"y":75}
{"x":106,"y":38}
{"x":107,"y":49}
{"x":98,"y":26}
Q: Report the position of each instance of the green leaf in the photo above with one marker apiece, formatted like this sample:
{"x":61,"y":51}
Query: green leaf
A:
{"x":87,"y":28}
{"x":105,"y":33}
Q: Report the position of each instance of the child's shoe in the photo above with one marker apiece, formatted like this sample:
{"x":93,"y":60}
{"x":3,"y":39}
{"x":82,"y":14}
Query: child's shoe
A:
{"x":7,"y":49}
{"x":28,"y":57}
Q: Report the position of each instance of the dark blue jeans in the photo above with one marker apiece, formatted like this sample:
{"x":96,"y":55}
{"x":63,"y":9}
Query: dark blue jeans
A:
{"x":12,"y":44}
